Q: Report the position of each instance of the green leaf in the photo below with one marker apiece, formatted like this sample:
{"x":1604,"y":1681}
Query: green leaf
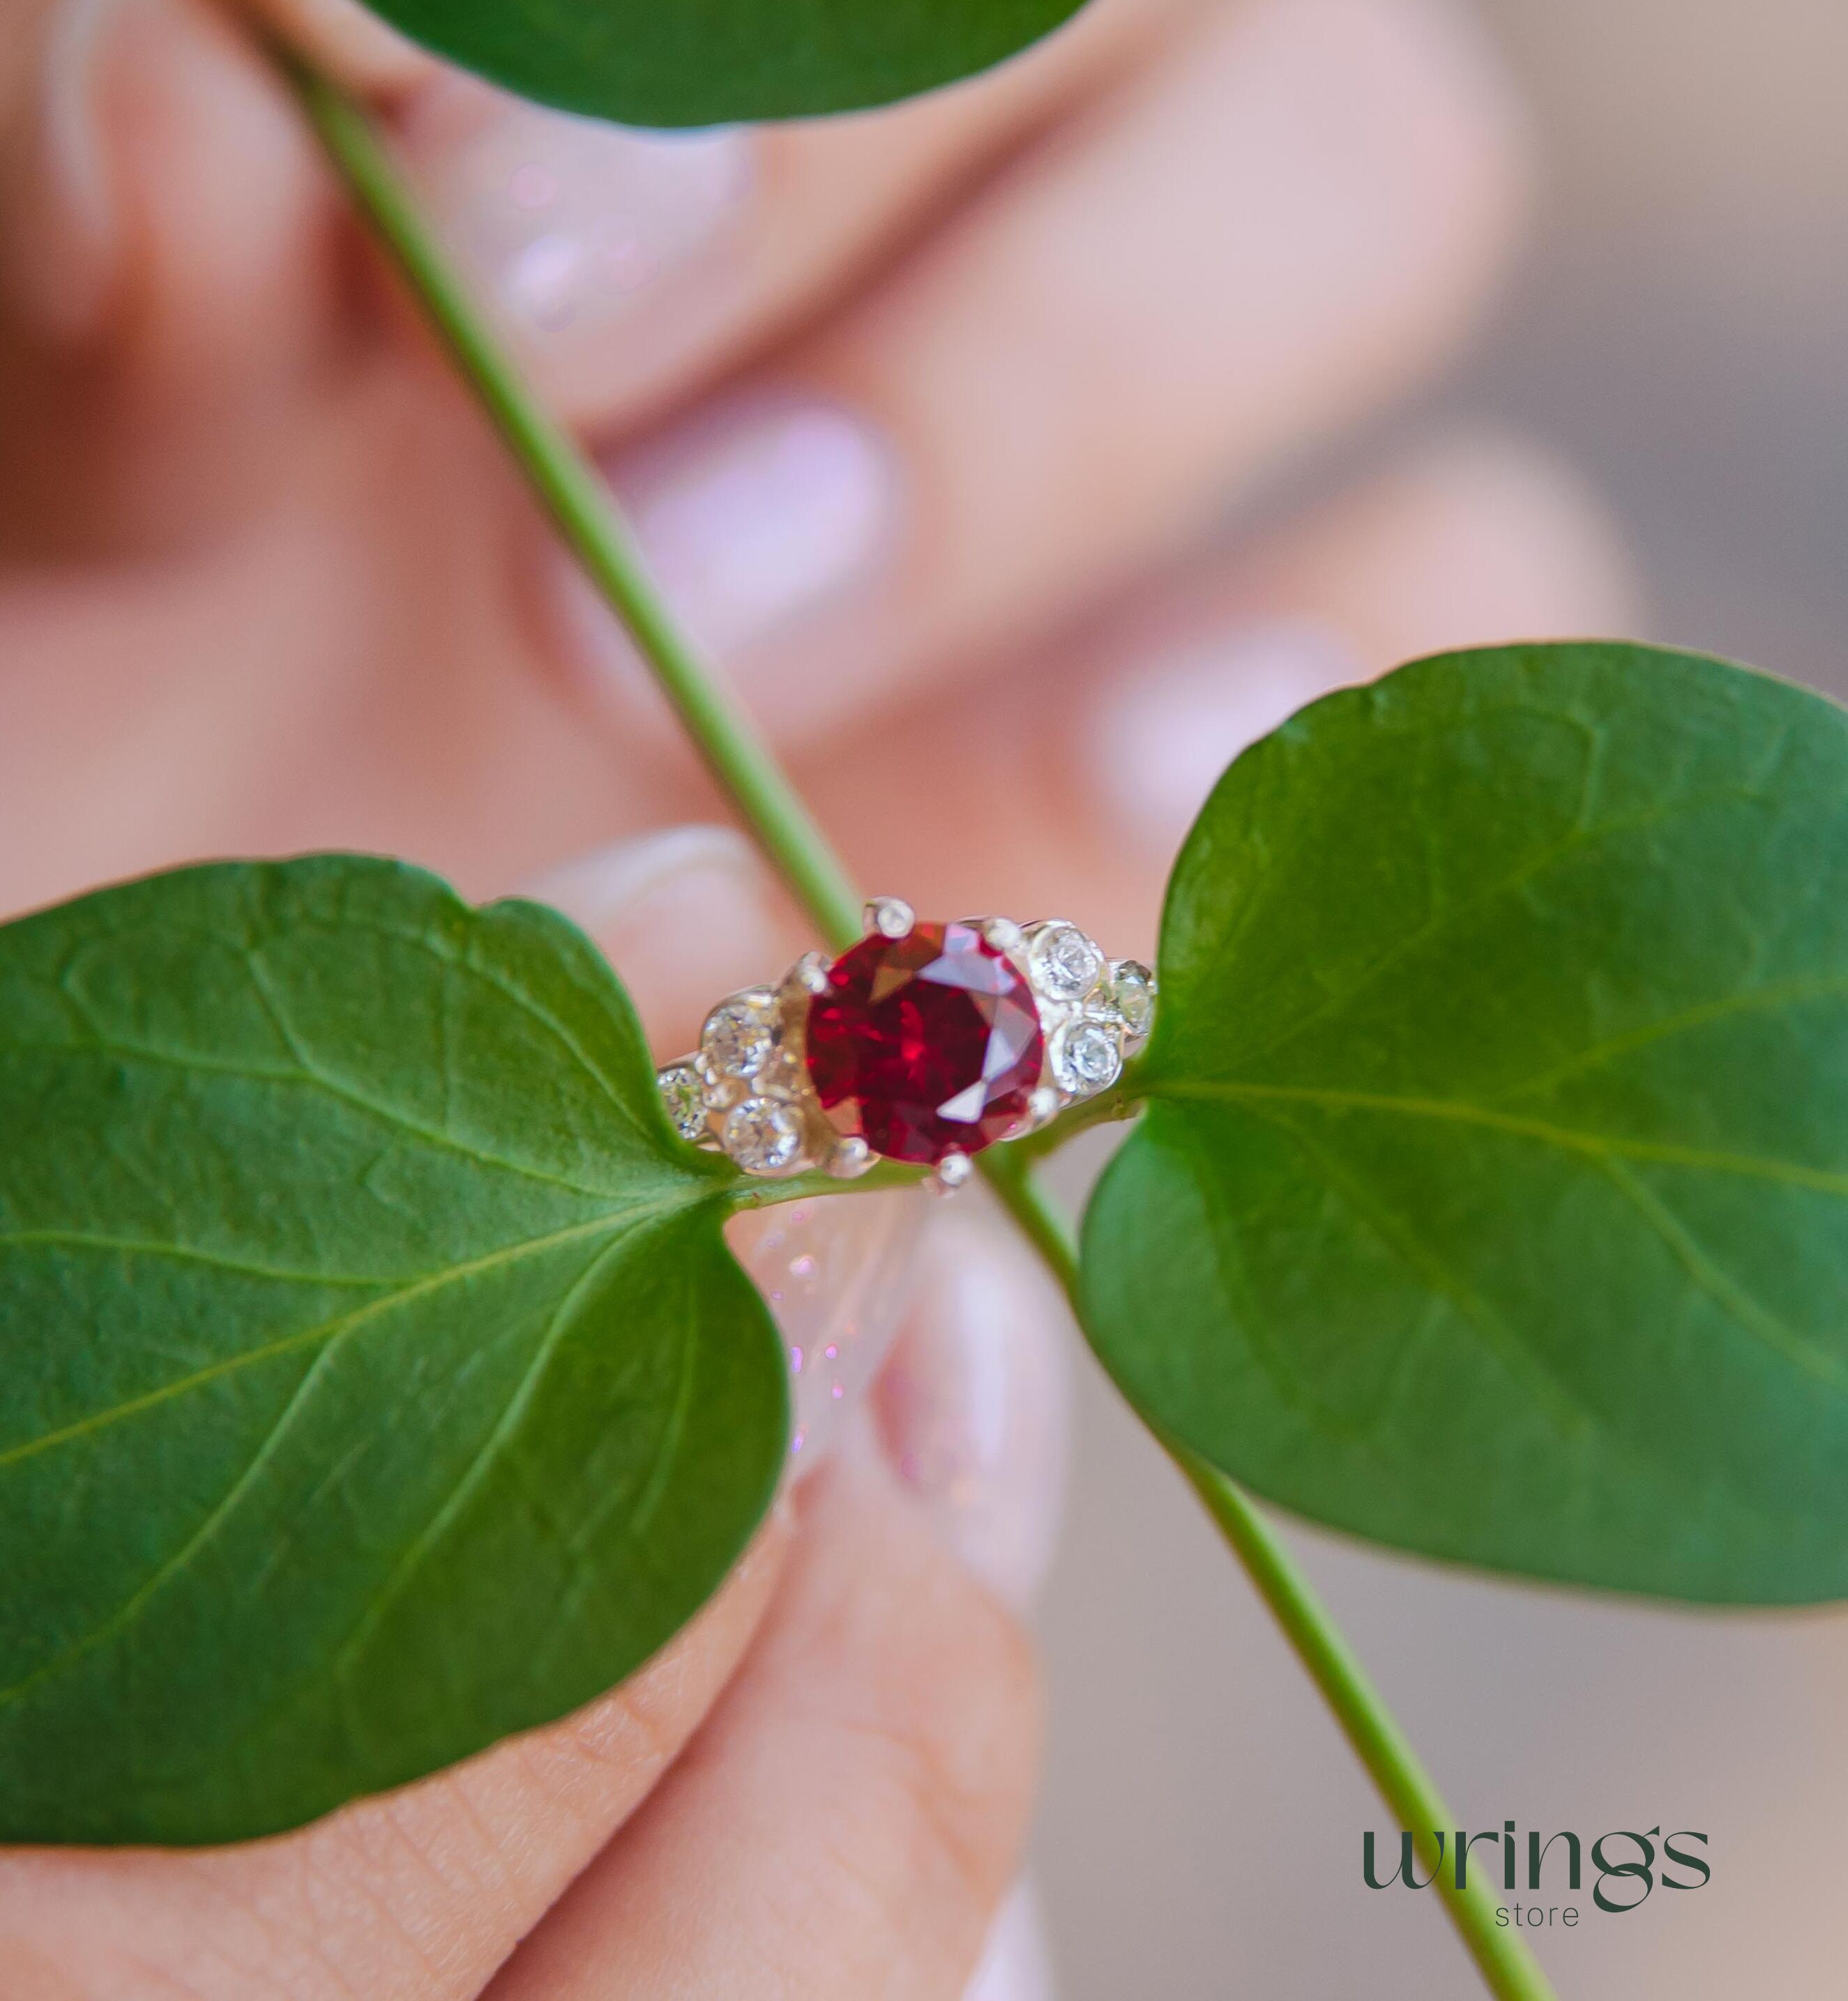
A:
{"x":1492,"y":1199}
{"x":377,"y":1380}
{"x":710,"y":62}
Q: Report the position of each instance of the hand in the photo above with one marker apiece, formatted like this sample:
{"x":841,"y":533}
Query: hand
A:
{"x":897,"y":401}
{"x":843,"y":1824}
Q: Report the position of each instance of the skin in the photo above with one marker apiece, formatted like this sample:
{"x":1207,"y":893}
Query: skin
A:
{"x":266,"y":584}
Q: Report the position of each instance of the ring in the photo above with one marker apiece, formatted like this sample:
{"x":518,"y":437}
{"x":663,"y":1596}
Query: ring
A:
{"x":924,"y":1042}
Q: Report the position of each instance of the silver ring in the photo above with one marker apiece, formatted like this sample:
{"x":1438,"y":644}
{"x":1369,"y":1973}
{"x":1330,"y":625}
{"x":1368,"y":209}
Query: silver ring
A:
{"x":924,"y":1043}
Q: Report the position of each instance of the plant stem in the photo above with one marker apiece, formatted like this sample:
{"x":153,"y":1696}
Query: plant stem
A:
{"x":1508,"y":1967}
{"x":745,"y":770}
{"x":745,"y":1193}
{"x":579,"y":501}
{"x":1112,"y":1106}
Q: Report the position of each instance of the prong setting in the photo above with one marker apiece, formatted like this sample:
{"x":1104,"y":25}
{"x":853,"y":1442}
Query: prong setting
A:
{"x":889,"y":918}
{"x":850,"y":1158}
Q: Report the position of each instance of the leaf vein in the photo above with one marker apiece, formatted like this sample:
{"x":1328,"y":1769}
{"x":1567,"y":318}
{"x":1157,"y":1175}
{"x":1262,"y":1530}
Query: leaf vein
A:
{"x":96,"y":1421}
{"x":1603,"y":1146}
{"x":312,"y":1079}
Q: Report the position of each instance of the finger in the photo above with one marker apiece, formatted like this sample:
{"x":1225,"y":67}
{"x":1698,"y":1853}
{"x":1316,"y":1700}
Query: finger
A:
{"x":1289,"y":216}
{"x":844,"y":1826}
{"x":686,"y":916}
{"x":54,"y":221}
{"x":1069,"y":786}
{"x":973,"y":1411}
{"x":423,"y":1892}
{"x":349,"y":41}
{"x":847,"y":1823}
{"x":1478,"y":540}
{"x":168,"y":288}
{"x":631,"y":266}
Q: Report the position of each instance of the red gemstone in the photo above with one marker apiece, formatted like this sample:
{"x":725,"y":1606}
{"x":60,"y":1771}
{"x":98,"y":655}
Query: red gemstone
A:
{"x":931,"y":1041}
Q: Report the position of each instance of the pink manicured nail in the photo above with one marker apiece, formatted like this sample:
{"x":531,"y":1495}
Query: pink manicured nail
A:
{"x":1159,"y":734}
{"x":61,"y":230}
{"x":836,"y":1275}
{"x":1017,"y":1965}
{"x":568,"y":223}
{"x":760,"y":512}
{"x":973,"y":1409}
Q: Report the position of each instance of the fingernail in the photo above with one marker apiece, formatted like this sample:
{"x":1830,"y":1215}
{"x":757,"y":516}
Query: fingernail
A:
{"x":685,"y":916}
{"x":972,"y":1410}
{"x":60,"y":233}
{"x":569,"y":223}
{"x":1017,"y":1965}
{"x":1159,"y":733}
{"x":836,"y":1275}
{"x":761,"y":513}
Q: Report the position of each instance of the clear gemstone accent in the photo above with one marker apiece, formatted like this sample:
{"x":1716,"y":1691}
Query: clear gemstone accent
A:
{"x":738,"y":1039}
{"x":1132,"y":998}
{"x":764,"y":1135}
{"x":1086,"y":1058}
{"x":1066,"y":963}
{"x":685,"y":1098}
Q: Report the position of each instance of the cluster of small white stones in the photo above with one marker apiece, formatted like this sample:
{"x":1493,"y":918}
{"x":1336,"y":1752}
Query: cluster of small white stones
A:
{"x":741,"y":1092}
{"x":1096,"y":1012}
{"x":753,"y":1085}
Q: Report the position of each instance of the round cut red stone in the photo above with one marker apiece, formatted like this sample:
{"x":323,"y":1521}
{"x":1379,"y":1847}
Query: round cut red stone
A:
{"x":931,"y":1042}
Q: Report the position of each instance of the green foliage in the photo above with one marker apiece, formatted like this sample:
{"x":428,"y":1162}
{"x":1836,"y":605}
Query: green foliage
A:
{"x":710,"y":62}
{"x":377,"y":1382}
{"x":1492,"y":1200}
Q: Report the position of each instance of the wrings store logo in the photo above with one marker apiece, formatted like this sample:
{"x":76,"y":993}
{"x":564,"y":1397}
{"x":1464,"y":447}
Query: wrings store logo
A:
{"x":1628,"y":1868}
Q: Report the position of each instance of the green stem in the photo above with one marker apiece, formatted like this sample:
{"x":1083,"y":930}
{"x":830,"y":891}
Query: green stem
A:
{"x":1508,"y":1967}
{"x":1111,"y":1107}
{"x":744,"y":1193}
{"x":742,"y":765}
{"x":579,"y":501}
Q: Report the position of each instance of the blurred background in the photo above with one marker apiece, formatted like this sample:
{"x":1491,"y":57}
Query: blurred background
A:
{"x":1678,"y":329}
